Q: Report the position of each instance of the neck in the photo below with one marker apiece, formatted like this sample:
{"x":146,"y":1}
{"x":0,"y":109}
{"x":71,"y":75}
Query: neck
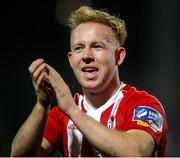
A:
{"x":98,"y":98}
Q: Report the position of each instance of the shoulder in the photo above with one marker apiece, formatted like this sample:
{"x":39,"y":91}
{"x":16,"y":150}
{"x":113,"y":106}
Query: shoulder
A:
{"x":137,"y":96}
{"x":143,"y":108}
{"x":142,"y":105}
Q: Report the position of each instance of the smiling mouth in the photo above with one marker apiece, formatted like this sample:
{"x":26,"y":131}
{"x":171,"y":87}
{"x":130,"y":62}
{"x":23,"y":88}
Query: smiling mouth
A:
{"x":90,"y":72}
{"x":89,"y":69}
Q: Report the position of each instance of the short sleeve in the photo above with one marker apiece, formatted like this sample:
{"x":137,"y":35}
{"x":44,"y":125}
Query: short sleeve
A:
{"x":150,"y":117}
{"x":53,"y":128}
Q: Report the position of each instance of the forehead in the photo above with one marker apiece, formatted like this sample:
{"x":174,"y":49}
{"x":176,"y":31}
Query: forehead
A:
{"x":90,"y":30}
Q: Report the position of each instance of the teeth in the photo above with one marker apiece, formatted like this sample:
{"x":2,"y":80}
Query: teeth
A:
{"x":89,"y":69}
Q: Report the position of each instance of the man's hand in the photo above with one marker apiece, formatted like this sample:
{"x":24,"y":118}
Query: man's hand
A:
{"x":40,"y":81}
{"x":61,"y":90}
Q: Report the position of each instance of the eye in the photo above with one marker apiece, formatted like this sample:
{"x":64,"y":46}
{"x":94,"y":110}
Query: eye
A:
{"x":77,"y":49}
{"x":98,"y":47}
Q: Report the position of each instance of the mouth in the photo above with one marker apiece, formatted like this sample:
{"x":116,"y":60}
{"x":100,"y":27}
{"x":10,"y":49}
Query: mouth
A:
{"x":89,"y":69}
{"x":90,"y":72}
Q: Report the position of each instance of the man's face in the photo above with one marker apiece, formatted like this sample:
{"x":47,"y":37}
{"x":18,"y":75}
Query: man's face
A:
{"x":92,"y":56}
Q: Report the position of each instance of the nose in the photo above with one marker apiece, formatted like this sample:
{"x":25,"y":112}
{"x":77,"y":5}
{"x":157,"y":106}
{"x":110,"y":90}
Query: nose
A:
{"x":88,"y":56}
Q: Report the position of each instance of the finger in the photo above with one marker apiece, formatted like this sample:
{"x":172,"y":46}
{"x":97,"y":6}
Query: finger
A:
{"x":39,"y":70}
{"x":40,"y":79}
{"x":49,"y":68}
{"x":44,"y":84}
{"x":48,"y":88}
{"x":57,"y":82}
{"x":53,"y":73}
{"x":35,"y":64}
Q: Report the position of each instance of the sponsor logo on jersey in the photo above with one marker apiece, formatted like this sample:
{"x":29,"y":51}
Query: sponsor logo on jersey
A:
{"x":148,"y":117}
{"x":142,"y":123}
{"x":72,"y":126}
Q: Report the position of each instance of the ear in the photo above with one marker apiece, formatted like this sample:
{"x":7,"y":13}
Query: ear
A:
{"x":69,"y":55}
{"x":120,"y":55}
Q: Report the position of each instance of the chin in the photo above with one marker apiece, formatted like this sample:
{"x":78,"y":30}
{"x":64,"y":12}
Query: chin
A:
{"x":92,"y":87}
{"x":88,"y":85}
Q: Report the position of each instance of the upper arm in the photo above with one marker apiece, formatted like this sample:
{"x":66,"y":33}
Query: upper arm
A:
{"x":145,"y":143}
{"x":45,"y":149}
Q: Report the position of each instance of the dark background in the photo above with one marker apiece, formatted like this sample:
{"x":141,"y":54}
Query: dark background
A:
{"x":32,"y":29}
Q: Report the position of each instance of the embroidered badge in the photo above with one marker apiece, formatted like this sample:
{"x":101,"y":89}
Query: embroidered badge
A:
{"x":148,"y":117}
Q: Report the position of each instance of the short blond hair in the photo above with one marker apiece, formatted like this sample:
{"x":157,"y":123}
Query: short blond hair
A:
{"x":86,"y":14}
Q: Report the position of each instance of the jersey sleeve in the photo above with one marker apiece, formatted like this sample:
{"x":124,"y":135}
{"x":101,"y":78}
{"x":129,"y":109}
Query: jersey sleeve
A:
{"x":53,"y":128}
{"x":147,"y":114}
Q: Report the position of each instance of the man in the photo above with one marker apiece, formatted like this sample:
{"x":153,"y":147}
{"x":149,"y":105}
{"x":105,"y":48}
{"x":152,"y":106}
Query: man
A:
{"x":109,"y":118}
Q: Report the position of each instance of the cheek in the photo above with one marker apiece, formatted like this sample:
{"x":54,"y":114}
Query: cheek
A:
{"x":109,"y":67}
{"x":74,"y":61}
{"x":107,"y":60}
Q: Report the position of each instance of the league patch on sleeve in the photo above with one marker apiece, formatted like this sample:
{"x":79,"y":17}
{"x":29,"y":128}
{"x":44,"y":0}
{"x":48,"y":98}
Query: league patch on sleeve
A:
{"x":148,"y":117}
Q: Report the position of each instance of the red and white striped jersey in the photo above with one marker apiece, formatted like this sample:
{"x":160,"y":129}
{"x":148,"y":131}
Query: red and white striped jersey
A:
{"x":129,"y":108}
